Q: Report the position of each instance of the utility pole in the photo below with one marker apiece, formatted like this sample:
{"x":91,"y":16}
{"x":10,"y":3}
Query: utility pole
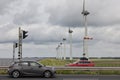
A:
{"x":70,"y":35}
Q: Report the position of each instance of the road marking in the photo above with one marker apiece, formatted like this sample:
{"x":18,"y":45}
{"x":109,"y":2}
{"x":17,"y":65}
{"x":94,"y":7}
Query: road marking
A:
{"x":81,"y":79}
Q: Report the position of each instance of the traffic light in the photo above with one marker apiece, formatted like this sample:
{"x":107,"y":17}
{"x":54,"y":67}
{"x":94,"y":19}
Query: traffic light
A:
{"x":16,"y":45}
{"x":25,"y":34}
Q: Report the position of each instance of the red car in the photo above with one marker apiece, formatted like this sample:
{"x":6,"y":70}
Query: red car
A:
{"x":82,"y":63}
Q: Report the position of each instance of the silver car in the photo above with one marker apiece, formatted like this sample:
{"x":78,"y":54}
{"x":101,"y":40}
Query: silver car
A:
{"x":21,"y":68}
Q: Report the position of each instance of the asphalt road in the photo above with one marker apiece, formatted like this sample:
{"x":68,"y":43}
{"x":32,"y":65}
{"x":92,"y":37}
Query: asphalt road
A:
{"x":66,"y":77}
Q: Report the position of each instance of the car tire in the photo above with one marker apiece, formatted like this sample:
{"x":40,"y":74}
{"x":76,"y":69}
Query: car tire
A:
{"x":16,"y":74}
{"x":47,"y":74}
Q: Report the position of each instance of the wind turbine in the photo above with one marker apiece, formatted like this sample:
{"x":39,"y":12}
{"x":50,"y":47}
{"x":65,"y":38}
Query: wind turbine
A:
{"x":86,"y":38}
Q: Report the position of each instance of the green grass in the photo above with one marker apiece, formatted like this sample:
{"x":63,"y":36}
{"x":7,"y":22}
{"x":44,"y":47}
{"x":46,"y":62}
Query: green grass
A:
{"x":3,"y":71}
{"x":55,"y":62}
{"x":107,"y":62}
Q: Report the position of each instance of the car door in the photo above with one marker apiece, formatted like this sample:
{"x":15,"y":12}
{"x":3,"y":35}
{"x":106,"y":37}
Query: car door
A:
{"x":82,"y":64}
{"x":25,"y":68}
{"x":36,"y":68}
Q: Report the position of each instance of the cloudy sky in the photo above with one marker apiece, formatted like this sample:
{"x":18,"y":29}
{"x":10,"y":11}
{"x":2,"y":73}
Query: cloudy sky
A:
{"x":48,"y":21}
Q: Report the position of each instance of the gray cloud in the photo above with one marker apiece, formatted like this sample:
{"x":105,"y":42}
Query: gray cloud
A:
{"x":32,"y":12}
{"x":4,"y":4}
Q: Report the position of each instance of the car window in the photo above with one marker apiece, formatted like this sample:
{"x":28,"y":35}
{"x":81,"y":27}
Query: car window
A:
{"x":34,"y":64}
{"x":86,"y":62}
{"x":24,"y":63}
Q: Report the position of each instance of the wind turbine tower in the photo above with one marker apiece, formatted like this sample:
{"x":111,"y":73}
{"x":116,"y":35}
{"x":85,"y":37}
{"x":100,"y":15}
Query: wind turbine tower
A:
{"x":70,"y":35}
{"x":86,"y":38}
{"x":64,"y":42}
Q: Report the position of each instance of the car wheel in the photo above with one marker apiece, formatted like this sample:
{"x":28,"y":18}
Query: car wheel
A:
{"x":47,"y":74}
{"x":16,"y":74}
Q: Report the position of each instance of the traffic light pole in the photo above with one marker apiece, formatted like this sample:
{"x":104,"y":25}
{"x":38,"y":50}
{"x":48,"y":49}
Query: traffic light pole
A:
{"x":13,"y":52}
{"x":22,"y":35}
{"x":20,"y":45}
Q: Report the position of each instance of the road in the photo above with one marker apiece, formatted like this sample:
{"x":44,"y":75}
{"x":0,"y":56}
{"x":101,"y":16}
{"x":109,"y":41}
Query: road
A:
{"x":67,"y":77}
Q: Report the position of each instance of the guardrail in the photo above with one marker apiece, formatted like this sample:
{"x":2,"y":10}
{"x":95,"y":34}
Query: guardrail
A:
{"x":77,"y":68}
{"x":87,"y":68}
{"x":3,"y":67}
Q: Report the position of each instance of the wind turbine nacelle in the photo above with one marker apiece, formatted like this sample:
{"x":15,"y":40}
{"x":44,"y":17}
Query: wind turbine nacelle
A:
{"x":85,"y":13}
{"x":87,"y":38}
{"x":70,"y":31}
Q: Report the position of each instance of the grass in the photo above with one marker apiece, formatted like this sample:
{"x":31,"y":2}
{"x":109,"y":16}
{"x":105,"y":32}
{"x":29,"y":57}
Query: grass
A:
{"x":3,"y":71}
{"x":54,"y":62}
{"x":107,"y":62}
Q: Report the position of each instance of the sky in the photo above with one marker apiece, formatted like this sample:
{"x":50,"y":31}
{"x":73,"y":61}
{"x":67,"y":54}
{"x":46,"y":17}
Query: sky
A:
{"x":48,"y":21}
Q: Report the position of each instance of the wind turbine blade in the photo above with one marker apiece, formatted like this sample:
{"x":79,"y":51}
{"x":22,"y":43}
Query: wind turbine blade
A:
{"x":83,"y":6}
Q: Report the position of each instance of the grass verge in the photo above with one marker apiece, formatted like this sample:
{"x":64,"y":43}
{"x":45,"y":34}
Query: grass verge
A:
{"x":3,"y":71}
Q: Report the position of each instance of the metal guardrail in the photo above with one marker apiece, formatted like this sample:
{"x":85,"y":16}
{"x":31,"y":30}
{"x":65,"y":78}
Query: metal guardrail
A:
{"x":77,"y":68}
{"x":87,"y":68}
{"x":3,"y":67}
